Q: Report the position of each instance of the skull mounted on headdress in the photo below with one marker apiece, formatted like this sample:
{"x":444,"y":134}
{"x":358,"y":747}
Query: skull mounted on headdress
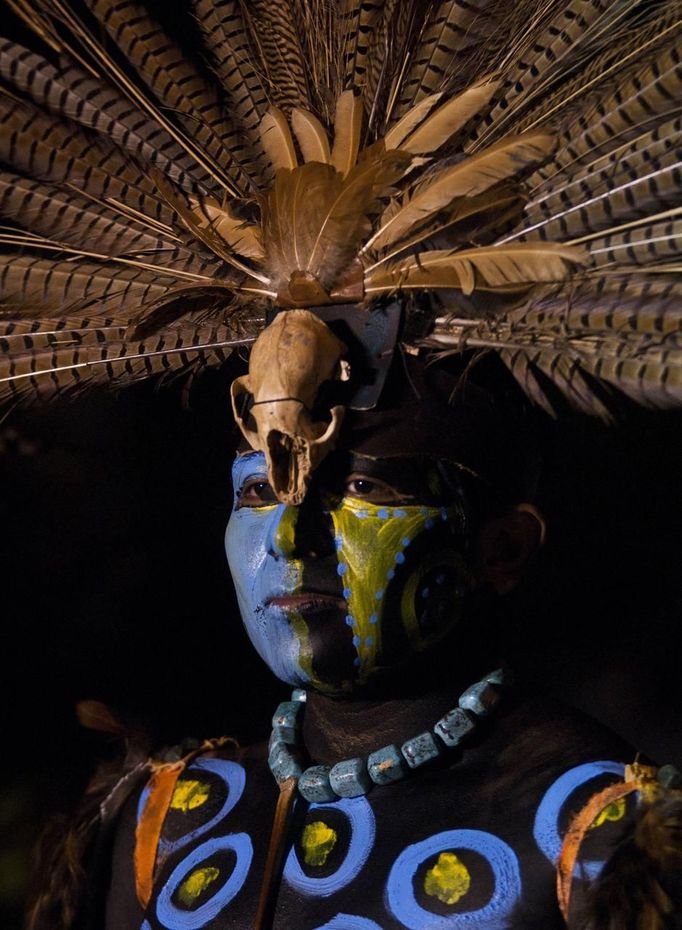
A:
{"x":340,"y":234}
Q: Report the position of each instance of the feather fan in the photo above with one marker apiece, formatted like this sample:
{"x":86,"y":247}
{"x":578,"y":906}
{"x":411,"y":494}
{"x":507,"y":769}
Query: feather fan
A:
{"x":162,"y":187}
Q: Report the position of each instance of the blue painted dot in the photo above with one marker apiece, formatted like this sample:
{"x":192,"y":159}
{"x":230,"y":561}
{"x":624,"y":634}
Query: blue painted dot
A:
{"x":379,"y":595}
{"x":382,"y":514}
{"x":341,"y":568}
{"x":356,"y":640}
{"x":400,"y":558}
{"x":440,"y":579}
{"x":373,"y":618}
{"x":369,"y":641}
{"x":429,"y":524}
{"x":399,"y":512}
{"x":443,"y":513}
{"x":356,"y":661}
{"x":390,"y":573}
{"x":338,"y":542}
{"x":361,"y":514}
{"x":349,"y":620}
{"x":346,"y":593}
{"x":406,"y":540}
{"x":425,"y":592}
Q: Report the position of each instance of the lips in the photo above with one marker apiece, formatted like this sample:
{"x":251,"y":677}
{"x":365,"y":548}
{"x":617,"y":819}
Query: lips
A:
{"x":308,"y":600}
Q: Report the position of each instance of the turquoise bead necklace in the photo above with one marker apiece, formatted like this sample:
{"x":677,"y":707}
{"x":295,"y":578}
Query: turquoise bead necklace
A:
{"x":351,"y":778}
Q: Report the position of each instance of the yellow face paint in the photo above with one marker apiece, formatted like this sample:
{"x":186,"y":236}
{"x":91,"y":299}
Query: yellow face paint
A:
{"x":448,"y":880}
{"x":372,"y":542}
{"x":195,"y":884}
{"x":613,"y":812}
{"x":318,"y":839}
{"x":189,"y":795}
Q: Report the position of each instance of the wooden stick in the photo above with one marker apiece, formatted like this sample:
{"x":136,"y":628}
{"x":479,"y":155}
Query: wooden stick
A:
{"x":273,"y":862}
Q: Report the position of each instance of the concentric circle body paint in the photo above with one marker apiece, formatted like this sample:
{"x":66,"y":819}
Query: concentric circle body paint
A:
{"x":175,"y":918}
{"x":546,"y":828}
{"x":362,"y":830}
{"x":400,"y":896}
{"x":234,"y":778}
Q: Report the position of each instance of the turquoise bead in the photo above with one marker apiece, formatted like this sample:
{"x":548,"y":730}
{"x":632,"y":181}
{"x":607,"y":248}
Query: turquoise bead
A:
{"x":350,"y":779}
{"x":314,"y":785}
{"x":669,"y":777}
{"x":386,"y":765}
{"x":287,"y":718}
{"x":298,"y":694}
{"x":283,"y":735}
{"x":500,"y":677}
{"x":454,"y":726}
{"x":479,"y":698}
{"x":420,"y":749}
{"x":284,"y":762}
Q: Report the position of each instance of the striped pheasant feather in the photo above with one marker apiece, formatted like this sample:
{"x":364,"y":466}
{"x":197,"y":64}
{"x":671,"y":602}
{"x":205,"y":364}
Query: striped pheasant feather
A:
{"x":166,"y":182}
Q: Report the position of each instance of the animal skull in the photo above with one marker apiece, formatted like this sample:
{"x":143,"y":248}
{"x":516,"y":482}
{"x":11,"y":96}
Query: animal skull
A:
{"x":289,"y":362}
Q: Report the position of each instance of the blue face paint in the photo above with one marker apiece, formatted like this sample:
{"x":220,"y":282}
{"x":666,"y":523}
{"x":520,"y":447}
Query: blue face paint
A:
{"x":258,"y":546}
{"x":398,"y":571}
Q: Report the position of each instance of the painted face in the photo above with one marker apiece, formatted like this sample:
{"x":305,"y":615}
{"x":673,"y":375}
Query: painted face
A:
{"x":366,"y":573}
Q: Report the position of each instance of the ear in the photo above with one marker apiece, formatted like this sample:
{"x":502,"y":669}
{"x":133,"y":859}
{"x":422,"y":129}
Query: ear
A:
{"x":506,"y":544}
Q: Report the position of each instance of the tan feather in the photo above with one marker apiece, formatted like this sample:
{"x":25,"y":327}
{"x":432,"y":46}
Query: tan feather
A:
{"x":449,"y":118}
{"x":465,"y":179}
{"x":203,"y":230}
{"x":277,"y":140}
{"x":315,"y":220}
{"x":239,"y":236}
{"x":410,"y":121}
{"x":347,"y":127}
{"x":521,"y":264}
{"x":311,"y":136}
{"x":498,"y":205}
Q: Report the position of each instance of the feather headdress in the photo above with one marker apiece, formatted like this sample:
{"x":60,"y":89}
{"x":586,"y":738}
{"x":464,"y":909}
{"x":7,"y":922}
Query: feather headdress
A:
{"x":521,"y":160}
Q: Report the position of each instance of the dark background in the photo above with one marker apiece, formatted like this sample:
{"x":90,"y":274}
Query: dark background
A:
{"x":115,"y":585}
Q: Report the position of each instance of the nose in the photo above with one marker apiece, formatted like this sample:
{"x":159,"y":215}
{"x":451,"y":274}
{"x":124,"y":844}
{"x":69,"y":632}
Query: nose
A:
{"x":298,"y":532}
{"x":282,"y":536}
{"x":314,"y":528}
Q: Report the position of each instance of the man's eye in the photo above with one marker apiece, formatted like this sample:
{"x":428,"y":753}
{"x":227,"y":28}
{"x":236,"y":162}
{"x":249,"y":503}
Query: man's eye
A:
{"x":371,"y":489}
{"x":255,"y":493}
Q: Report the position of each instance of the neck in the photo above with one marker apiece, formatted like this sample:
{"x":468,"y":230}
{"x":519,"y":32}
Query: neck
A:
{"x":338,"y":729}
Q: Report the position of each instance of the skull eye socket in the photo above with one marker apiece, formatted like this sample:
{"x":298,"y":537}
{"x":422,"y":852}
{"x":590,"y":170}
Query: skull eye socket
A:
{"x":255,"y":492}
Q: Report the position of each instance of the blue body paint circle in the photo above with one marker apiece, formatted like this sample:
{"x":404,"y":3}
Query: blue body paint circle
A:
{"x":174,"y":917}
{"x":401,"y":899}
{"x":362,"y":830}
{"x":234,"y":778}
{"x":546,"y":828}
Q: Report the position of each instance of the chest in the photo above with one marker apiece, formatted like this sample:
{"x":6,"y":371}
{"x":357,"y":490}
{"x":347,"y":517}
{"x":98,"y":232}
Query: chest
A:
{"x":447,"y":850}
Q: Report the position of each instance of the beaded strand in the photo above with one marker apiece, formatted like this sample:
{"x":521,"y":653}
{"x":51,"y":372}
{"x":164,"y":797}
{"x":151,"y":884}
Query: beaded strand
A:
{"x":351,"y":778}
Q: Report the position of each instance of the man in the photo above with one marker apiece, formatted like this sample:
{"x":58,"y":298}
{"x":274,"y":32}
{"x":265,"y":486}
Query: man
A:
{"x":375,"y":595}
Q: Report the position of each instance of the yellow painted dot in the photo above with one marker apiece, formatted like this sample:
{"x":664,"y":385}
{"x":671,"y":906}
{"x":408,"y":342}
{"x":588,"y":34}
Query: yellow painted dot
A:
{"x":612,"y":812}
{"x":195,"y":883}
{"x":318,"y":840}
{"x":448,"y":880}
{"x":189,"y":794}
